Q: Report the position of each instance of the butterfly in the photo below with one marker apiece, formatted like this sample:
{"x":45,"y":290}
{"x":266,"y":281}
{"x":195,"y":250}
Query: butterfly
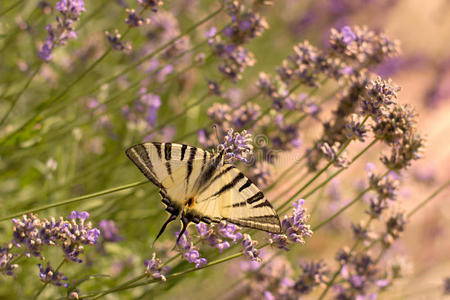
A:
{"x":201,"y":187}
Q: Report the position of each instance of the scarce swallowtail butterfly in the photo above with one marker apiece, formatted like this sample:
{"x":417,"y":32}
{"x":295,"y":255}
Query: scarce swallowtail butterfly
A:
{"x":201,"y":187}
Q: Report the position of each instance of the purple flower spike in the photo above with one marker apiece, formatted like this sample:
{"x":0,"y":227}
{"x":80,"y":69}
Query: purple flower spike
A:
{"x":51,"y":276}
{"x":237,"y":146}
{"x":153,"y":268}
{"x":110,"y":231}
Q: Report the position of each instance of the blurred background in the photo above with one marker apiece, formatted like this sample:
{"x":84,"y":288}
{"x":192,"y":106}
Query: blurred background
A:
{"x":86,"y":137}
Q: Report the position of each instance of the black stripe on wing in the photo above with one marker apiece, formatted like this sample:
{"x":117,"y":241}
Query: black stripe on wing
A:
{"x":231,"y":184}
{"x":139,"y":156}
{"x":167,"y":157}
{"x":256,"y":197}
{"x":190,"y":167}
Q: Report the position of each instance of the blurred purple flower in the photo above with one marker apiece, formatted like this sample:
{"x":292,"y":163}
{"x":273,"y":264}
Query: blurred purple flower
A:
{"x":6,"y":257}
{"x":109,"y":231}
{"x":63,"y":31}
{"x":348,"y":35}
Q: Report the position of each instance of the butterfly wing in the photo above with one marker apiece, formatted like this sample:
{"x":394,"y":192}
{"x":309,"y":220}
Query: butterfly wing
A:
{"x":231,"y":196}
{"x":171,"y":167}
{"x":158,"y":161}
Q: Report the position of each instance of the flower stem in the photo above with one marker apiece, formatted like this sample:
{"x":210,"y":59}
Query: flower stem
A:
{"x":76,"y":199}
{"x":428,"y":199}
{"x":16,"y":98}
{"x":11,"y":7}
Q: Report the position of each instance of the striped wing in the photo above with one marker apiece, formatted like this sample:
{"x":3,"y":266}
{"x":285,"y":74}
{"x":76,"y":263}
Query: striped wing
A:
{"x":231,"y":196}
{"x":169,"y":165}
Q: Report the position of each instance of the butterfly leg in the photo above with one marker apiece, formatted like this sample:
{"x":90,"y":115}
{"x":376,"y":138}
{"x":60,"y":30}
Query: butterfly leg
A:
{"x":184,"y":221}
{"x":173,"y":215}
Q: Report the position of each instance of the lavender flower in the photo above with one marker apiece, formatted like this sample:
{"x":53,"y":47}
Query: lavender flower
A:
{"x":380,"y":94}
{"x":362,"y":45}
{"x":153,"y":268}
{"x":229,"y":231}
{"x":49,"y":275}
{"x":249,"y":248}
{"x":302,"y":66}
{"x":142,"y":115}
{"x":115,"y":40}
{"x":26,"y":232}
{"x":6,"y":257}
{"x":208,"y":235}
{"x":313,"y":275}
{"x":153,"y":4}
{"x":295,"y":227}
{"x":355,"y":130}
{"x":76,"y":234}
{"x":71,"y":9}
{"x":360,"y":276}
{"x":331,"y":154}
{"x":189,"y":251}
{"x":133,"y":20}
{"x":395,"y":225}
{"x":110,"y":232}
{"x":63,"y":31}
{"x":237,"y":146}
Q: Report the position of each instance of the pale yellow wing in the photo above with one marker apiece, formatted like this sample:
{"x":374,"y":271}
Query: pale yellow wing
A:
{"x":231,"y":196}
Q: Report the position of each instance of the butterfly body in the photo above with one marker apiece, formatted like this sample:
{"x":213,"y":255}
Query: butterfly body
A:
{"x":201,"y":187}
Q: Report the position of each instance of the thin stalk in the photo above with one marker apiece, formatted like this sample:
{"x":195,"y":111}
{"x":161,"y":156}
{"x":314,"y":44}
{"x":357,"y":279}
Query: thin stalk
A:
{"x":76,"y":199}
{"x":340,"y":170}
{"x":11,"y":7}
{"x":16,"y":98}
{"x":317,"y":175}
{"x":428,"y":199}
{"x":161,"y":48}
{"x":284,"y":173}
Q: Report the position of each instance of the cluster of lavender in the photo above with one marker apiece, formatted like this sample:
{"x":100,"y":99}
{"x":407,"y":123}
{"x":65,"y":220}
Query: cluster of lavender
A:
{"x":227,"y":47}
{"x":133,"y":19}
{"x":361,"y":275}
{"x":142,"y":113}
{"x":32,"y":234}
{"x":295,"y":227}
{"x":276,"y":280}
{"x":64,"y":29}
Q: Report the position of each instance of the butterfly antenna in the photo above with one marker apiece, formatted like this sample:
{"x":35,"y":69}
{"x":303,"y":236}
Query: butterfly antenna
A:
{"x":216,"y":129}
{"x":170,"y":219}
{"x":185,"y":222}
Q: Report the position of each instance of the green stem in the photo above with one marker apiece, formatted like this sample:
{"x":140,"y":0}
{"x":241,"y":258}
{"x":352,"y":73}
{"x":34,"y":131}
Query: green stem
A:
{"x":428,"y":199}
{"x":74,"y":200}
{"x":16,"y":98}
{"x":47,"y":282}
{"x":11,"y":7}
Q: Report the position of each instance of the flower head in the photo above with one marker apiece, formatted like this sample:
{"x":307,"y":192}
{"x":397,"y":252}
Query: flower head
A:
{"x":49,"y":275}
{"x":153,"y":268}
{"x":294,"y":226}
{"x":249,"y":248}
{"x":237,"y":146}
